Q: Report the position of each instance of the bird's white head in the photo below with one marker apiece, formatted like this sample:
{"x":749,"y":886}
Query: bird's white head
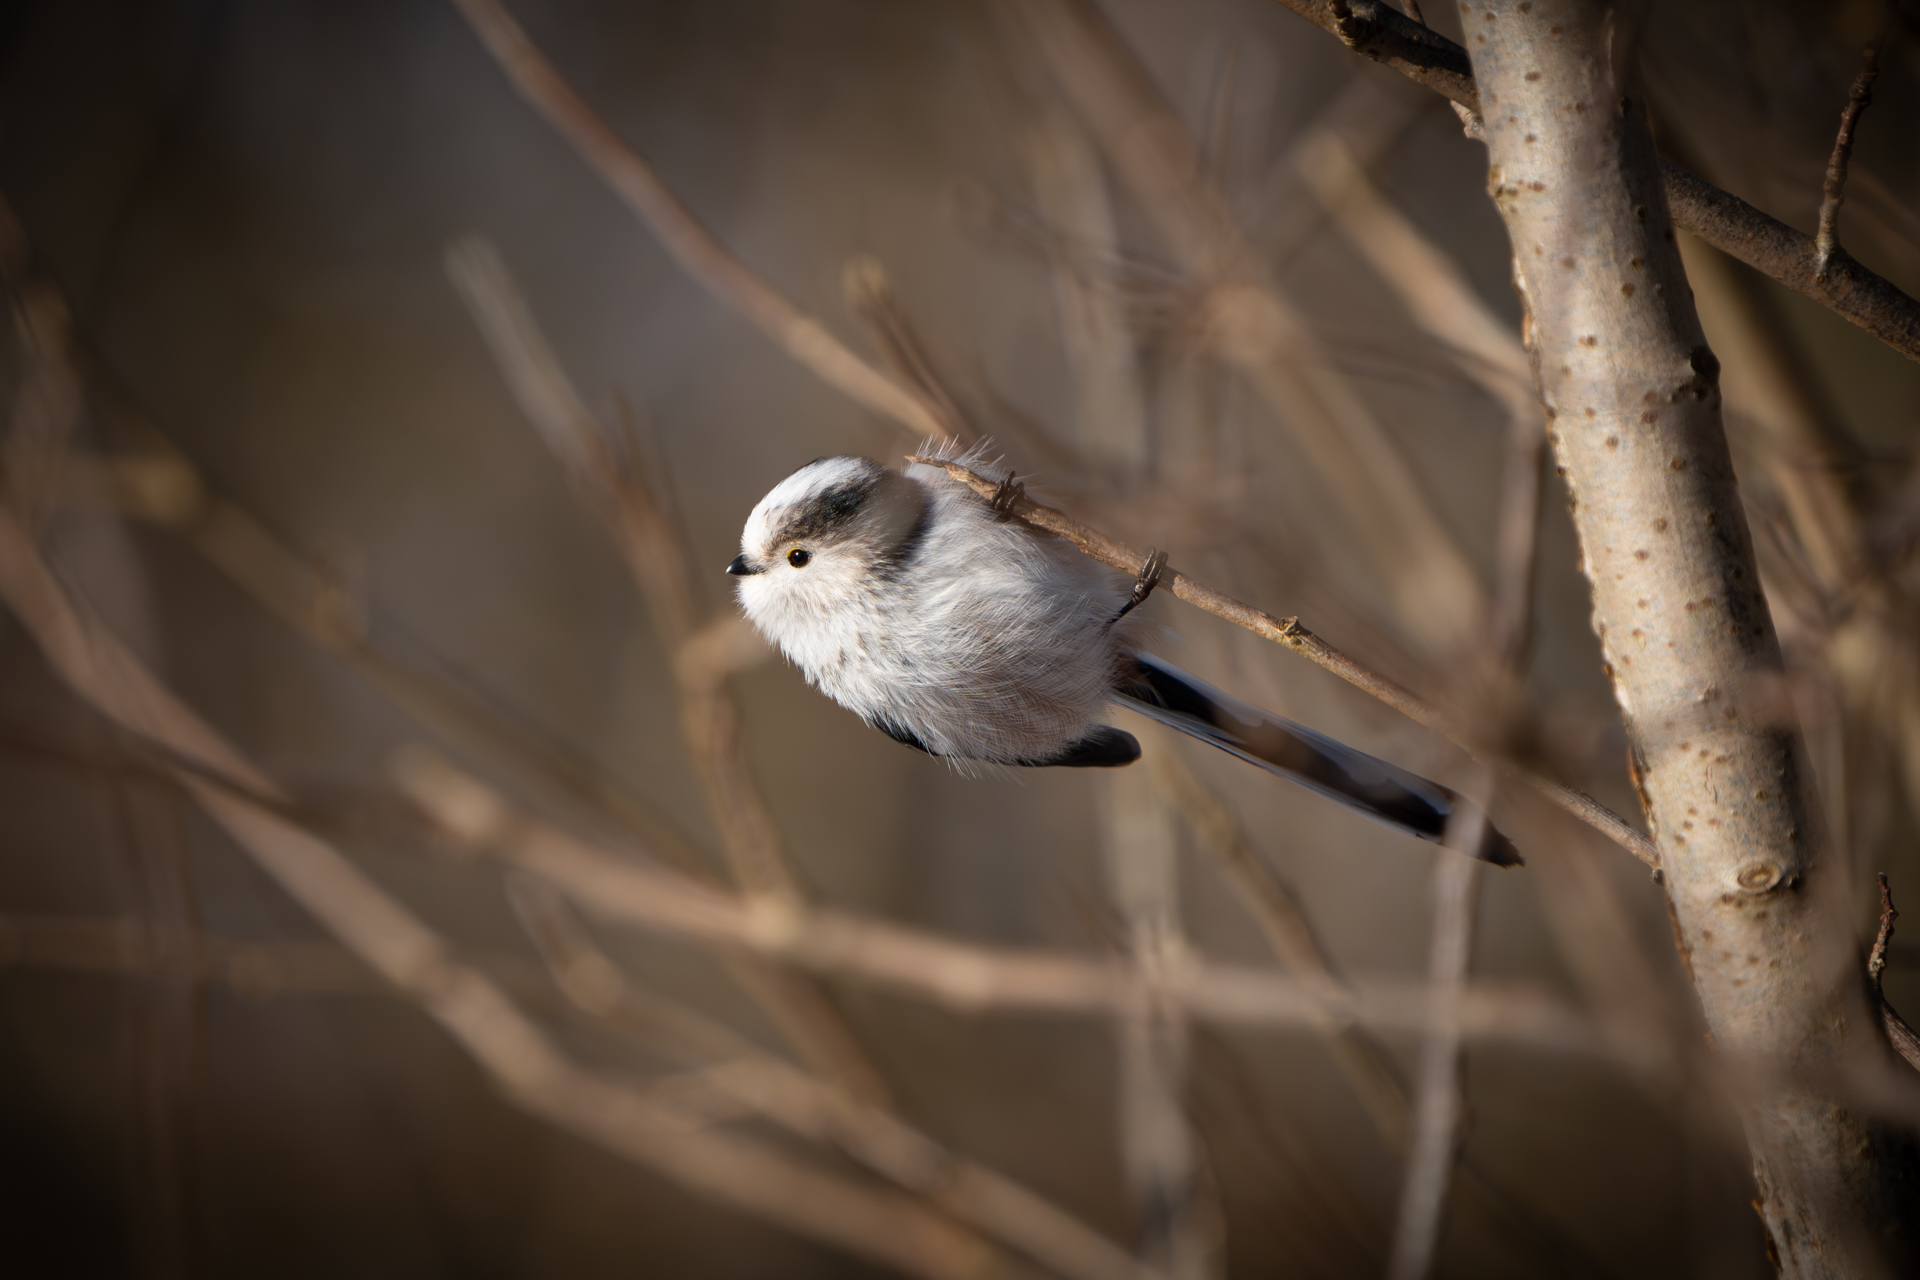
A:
{"x":824,"y":537}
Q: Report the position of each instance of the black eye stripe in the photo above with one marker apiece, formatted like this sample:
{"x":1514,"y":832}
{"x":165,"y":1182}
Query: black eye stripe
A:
{"x":829,"y":511}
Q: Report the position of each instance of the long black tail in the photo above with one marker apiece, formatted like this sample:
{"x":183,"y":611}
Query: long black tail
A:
{"x":1355,"y":779}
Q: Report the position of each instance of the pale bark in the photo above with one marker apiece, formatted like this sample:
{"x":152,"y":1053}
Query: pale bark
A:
{"x":1633,"y":410}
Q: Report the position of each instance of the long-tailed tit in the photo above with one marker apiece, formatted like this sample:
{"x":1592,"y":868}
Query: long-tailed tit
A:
{"x":913,"y":603}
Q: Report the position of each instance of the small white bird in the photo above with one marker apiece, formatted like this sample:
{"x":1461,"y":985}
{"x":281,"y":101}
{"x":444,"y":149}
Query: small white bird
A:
{"x":915,"y":604}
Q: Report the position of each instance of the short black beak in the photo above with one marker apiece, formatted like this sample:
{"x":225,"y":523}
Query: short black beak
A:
{"x":739,"y":567}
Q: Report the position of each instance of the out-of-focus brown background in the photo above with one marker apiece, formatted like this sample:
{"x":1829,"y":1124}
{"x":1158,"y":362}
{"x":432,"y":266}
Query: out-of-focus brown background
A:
{"x":246,"y":208}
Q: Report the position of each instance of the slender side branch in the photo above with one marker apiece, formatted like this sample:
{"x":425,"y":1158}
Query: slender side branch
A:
{"x":1290,"y":635}
{"x":1724,"y":221}
{"x":680,"y":233}
{"x":1827,"y":240}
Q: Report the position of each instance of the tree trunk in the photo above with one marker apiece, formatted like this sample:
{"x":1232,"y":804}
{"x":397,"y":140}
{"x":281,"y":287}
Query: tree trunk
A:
{"x":1633,"y":411}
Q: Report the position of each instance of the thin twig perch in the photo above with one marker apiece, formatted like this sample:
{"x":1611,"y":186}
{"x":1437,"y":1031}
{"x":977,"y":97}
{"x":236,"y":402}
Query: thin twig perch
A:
{"x":1290,"y":635}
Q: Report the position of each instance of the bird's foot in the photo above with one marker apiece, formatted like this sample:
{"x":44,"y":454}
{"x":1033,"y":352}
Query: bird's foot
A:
{"x":1007,"y":497}
{"x":1144,"y":583}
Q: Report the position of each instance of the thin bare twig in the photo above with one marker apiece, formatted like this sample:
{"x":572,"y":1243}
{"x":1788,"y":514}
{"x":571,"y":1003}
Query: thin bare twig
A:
{"x":47,"y":407}
{"x":1292,"y":636}
{"x":1826,"y":242}
{"x":1439,"y":1105}
{"x":131,"y":945}
{"x":1877,"y":958}
{"x":615,"y":491}
{"x":1430,"y":285}
{"x":1161,"y":1154}
{"x":680,"y":233}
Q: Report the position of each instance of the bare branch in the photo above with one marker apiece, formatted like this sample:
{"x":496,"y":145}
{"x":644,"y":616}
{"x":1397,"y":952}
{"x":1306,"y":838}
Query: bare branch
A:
{"x":1724,"y":221}
{"x":680,"y":233}
{"x":1290,"y":635}
{"x":1826,"y":241}
{"x":1431,"y":286}
{"x":131,"y":946}
{"x":651,"y":551}
{"x":1405,"y":43}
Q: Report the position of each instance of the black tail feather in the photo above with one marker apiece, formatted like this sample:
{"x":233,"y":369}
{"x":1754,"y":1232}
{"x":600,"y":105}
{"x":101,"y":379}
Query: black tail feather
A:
{"x":1335,"y":770}
{"x":1104,"y":748}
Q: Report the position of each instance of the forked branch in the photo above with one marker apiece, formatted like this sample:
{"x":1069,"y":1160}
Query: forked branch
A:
{"x":1724,"y":221}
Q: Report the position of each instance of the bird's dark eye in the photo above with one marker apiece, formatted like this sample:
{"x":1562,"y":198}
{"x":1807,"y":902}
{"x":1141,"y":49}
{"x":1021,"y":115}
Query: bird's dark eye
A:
{"x":798,"y":557}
